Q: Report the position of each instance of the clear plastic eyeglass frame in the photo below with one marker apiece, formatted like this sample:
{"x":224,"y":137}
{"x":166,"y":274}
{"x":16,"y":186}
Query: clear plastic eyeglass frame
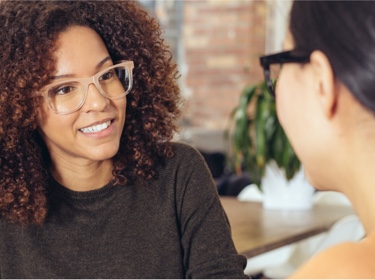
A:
{"x":78,"y":88}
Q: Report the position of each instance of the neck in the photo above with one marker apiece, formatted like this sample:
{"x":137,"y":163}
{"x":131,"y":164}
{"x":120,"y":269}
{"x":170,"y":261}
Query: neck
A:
{"x":351,"y":168}
{"x":360,"y":190}
{"x":355,"y":176}
{"x":83,"y":177}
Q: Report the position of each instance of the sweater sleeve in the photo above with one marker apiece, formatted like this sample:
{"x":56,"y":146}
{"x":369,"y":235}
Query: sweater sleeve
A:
{"x":206,"y":240}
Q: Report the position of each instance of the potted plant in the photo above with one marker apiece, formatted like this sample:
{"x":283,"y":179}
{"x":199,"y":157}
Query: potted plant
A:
{"x":258,"y":143}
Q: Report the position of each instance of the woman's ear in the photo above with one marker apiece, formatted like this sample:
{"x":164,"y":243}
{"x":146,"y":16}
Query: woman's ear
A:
{"x":324,"y":82}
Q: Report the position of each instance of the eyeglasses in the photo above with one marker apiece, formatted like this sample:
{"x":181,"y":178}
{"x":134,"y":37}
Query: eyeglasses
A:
{"x":276,"y":60}
{"x":68,"y":96}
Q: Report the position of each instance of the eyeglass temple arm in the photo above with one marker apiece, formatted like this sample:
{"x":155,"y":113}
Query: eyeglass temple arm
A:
{"x":284,"y":57}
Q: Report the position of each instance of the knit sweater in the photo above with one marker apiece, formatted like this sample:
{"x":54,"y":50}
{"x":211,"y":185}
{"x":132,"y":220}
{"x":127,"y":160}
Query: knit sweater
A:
{"x":171,"y":227}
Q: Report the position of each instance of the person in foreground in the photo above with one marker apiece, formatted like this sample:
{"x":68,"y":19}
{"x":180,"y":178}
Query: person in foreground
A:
{"x":325,"y":98}
{"x":91,"y":185}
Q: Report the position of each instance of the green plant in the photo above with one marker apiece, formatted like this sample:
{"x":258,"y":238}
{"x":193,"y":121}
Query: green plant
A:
{"x":256,"y":136}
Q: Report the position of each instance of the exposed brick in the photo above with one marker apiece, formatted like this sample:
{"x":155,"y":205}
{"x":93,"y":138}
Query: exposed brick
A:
{"x":223,"y":40}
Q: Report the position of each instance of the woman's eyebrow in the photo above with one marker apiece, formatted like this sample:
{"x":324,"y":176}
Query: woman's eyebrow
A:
{"x":100,"y":64}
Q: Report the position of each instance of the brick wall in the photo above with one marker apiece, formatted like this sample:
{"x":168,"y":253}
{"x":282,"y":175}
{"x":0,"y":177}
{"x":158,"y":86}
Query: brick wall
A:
{"x":222,"y":40}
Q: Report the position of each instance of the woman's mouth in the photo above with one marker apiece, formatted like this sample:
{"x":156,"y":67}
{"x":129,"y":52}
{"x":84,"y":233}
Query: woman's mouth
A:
{"x":96,"y":128}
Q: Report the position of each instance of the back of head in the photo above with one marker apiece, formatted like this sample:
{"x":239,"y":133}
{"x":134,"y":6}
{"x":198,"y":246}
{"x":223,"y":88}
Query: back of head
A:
{"x":345,"y":32}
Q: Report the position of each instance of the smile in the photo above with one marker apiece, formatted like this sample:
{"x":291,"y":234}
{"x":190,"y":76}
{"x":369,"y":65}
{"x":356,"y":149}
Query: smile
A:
{"x":95,"y":128}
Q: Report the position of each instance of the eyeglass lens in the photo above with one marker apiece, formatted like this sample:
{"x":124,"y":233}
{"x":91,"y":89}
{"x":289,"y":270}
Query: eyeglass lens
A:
{"x":69,"y":96}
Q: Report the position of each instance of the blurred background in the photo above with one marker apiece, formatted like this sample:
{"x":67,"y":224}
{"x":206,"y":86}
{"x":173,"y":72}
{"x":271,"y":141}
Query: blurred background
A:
{"x":216,"y":44}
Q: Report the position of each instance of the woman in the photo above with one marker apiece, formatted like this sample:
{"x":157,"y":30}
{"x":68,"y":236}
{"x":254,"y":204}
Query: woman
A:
{"x":91,"y":184}
{"x":326,"y":102}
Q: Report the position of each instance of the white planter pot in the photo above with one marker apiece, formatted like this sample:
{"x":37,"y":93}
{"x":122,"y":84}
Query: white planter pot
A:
{"x":279,"y":193}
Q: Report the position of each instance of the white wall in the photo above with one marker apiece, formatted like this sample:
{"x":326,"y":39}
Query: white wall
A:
{"x":277,"y":24}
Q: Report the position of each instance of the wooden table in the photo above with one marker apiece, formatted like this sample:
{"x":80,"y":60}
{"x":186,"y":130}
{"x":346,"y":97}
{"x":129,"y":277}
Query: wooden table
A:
{"x":256,"y":230}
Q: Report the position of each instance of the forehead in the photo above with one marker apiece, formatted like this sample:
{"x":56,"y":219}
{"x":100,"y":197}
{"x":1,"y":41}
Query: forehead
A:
{"x":78,"y":48}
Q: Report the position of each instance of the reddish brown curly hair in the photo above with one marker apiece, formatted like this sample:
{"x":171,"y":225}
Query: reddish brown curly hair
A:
{"x":28,"y":35}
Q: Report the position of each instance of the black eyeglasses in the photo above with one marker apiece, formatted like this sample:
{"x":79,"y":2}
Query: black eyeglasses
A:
{"x":293,"y":56}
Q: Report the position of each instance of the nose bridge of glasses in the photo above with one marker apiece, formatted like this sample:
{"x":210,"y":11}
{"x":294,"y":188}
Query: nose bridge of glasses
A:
{"x":95,"y":85}
{"x":86,"y":83}
{"x":93,"y":96}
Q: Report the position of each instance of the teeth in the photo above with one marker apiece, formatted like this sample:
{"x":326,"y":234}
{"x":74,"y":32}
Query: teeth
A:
{"x":96,"y":128}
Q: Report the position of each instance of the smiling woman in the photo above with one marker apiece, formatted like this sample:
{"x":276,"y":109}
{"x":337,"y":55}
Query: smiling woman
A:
{"x":91,"y":185}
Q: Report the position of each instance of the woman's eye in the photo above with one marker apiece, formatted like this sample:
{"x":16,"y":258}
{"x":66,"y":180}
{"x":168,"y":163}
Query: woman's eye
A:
{"x":63,"y":90}
{"x":106,"y":76}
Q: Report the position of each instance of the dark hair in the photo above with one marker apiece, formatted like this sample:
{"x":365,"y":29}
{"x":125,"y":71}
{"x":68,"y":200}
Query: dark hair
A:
{"x":345,"y":32}
{"x":28,"y":35}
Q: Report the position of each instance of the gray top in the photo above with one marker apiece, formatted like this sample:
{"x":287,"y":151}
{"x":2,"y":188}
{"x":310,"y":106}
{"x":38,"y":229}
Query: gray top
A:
{"x":172,"y":227}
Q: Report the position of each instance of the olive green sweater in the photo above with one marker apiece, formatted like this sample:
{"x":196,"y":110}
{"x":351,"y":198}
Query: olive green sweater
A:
{"x":172,"y":227}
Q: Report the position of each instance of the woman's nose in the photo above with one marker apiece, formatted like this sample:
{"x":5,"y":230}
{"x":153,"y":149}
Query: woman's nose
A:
{"x":95,"y":101}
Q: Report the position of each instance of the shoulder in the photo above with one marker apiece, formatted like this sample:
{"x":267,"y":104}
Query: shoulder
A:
{"x":187,"y":171}
{"x":183,"y":150}
{"x":346,"y":260}
{"x":186,"y":155}
{"x":186,"y":158}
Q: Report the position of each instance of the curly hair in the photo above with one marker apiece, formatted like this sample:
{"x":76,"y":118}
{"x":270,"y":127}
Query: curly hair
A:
{"x":28,"y":41}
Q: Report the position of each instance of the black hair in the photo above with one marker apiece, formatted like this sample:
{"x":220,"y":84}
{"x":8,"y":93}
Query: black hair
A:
{"x":345,"y":32}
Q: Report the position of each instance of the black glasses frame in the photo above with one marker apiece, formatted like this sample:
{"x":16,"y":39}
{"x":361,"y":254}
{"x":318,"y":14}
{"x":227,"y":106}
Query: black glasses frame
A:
{"x":293,"y":56}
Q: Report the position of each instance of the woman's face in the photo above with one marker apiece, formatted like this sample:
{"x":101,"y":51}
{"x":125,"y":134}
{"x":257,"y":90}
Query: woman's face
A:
{"x":93,"y":132}
{"x":300,"y":116}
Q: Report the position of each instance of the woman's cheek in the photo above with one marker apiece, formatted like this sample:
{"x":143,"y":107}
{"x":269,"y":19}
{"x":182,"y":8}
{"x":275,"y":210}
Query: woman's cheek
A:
{"x":280,"y":103}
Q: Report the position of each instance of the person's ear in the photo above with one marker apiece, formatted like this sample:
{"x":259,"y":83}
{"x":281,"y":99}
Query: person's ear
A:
{"x":324,"y":82}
